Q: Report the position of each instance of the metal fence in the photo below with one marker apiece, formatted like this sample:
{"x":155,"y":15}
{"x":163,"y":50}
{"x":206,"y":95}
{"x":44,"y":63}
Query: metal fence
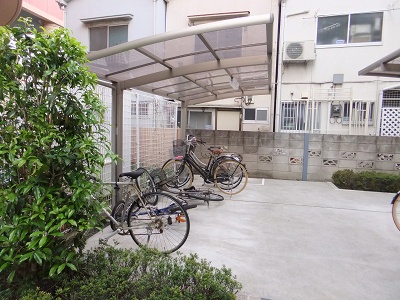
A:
{"x":329,"y":111}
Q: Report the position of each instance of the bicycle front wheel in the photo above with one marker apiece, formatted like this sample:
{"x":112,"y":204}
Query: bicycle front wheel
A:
{"x":230,"y":176}
{"x":178,"y":174}
{"x":396,"y":210}
{"x":206,"y":196}
{"x":163,"y":226}
{"x":117,"y":213}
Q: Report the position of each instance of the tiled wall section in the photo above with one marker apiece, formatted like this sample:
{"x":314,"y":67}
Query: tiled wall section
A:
{"x":281,"y":155}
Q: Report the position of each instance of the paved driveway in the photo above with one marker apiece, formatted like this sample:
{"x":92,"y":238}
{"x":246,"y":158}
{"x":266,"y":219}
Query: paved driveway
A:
{"x":300,"y":240}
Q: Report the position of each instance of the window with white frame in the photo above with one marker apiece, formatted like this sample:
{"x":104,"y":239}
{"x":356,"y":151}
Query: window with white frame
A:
{"x":102,"y":37}
{"x":255,"y":115}
{"x":357,"y":112}
{"x":350,"y":29}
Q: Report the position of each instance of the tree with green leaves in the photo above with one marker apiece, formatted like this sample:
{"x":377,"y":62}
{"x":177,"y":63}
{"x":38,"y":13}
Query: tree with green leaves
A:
{"x":52,"y":141}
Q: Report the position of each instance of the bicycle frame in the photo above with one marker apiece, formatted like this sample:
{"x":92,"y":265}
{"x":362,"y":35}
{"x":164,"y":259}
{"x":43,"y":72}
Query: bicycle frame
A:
{"x":120,"y":225}
{"x":206,"y":171}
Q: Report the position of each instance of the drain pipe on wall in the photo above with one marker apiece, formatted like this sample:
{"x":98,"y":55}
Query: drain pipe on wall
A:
{"x":279,"y":59}
{"x":305,"y":156}
{"x":278,"y":85}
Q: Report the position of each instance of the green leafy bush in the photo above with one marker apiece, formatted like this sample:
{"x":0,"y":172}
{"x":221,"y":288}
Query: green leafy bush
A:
{"x":110,"y":273}
{"x":52,"y":139}
{"x":367,"y":181}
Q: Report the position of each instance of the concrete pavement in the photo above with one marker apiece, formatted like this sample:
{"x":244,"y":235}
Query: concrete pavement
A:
{"x":298,"y":240}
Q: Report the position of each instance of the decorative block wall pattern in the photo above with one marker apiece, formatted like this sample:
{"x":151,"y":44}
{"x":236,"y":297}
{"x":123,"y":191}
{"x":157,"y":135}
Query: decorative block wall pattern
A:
{"x":348,"y":155}
{"x":281,"y":155}
{"x":365,"y":164}
{"x":296,"y":160}
{"x":330,"y":162}
{"x":385,"y":157}
{"x":265,"y":158}
{"x":314,"y":153}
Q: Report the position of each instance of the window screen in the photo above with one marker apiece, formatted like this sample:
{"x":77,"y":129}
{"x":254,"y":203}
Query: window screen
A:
{"x":332,"y":30}
{"x":256,"y":114}
{"x":98,"y":38}
{"x":107,"y":36}
{"x":347,"y":29}
{"x":117,"y":35}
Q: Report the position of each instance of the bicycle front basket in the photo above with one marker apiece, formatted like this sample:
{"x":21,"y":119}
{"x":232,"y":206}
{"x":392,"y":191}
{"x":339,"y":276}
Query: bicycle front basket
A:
{"x":159,"y":177}
{"x":179,"y":148}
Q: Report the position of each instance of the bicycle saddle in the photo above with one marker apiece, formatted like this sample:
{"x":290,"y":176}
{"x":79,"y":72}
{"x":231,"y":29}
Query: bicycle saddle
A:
{"x":133,"y":174}
{"x":216,"y":149}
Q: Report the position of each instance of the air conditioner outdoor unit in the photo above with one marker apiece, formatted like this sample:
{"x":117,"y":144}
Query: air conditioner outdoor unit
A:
{"x":299,"y":51}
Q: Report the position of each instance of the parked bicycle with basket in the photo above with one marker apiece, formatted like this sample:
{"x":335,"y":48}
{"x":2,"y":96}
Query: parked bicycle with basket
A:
{"x":227,"y":172}
{"x":153,"y":219}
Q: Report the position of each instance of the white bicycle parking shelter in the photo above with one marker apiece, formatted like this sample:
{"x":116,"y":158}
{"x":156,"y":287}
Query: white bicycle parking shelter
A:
{"x":208,"y":62}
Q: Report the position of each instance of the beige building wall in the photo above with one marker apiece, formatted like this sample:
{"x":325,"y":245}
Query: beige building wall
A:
{"x":228,"y":120}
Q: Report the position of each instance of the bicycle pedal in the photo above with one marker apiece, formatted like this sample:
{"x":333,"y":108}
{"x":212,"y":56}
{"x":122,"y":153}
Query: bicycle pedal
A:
{"x":192,"y":188}
{"x":180,"y":219}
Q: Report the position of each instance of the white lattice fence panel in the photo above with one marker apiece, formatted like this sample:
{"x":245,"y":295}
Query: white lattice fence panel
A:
{"x":127,"y":132}
{"x":390,"y":121}
{"x":105,"y":95}
{"x":153,"y":128}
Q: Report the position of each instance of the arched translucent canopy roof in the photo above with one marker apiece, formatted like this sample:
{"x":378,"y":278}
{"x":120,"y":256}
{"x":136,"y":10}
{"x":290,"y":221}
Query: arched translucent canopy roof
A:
{"x":388,"y":66}
{"x":202,"y":63}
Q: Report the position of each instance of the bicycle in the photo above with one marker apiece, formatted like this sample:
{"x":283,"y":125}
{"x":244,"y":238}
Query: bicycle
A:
{"x":154,"y":219}
{"x":227,"y":172}
{"x":396,"y":210}
{"x":160,"y":180}
{"x":144,"y":183}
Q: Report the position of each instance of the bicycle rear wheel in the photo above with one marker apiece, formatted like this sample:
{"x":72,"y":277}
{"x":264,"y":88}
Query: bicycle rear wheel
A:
{"x":396,"y":210}
{"x":178,"y":174}
{"x":163,"y":226}
{"x":230,"y":176}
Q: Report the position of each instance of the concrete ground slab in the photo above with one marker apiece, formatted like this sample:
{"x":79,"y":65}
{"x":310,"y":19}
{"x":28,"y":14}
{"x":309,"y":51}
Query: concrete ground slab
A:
{"x":298,"y":240}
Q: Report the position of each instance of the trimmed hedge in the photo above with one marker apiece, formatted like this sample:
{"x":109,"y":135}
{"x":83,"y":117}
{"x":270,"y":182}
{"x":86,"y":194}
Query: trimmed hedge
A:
{"x":112,"y":273}
{"x":367,"y":181}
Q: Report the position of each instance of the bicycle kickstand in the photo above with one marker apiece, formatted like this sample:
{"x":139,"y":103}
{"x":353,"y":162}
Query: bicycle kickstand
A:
{"x":105,"y":240}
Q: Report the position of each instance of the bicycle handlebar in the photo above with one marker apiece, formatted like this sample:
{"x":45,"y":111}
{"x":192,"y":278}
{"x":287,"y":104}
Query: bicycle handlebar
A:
{"x":192,"y":139}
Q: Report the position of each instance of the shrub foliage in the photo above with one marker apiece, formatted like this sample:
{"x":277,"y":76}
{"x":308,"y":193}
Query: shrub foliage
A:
{"x":52,"y":139}
{"x":111,"y":273}
{"x":367,"y":181}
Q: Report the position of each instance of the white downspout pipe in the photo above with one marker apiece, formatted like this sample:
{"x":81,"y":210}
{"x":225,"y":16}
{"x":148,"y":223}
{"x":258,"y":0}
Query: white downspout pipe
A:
{"x":280,"y":60}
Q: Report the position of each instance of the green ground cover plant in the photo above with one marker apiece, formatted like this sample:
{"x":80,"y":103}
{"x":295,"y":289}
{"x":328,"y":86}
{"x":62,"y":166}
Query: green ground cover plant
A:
{"x":367,"y":181}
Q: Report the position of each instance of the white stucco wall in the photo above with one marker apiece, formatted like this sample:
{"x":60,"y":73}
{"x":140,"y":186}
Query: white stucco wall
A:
{"x":299,"y":20}
{"x":148,"y":16}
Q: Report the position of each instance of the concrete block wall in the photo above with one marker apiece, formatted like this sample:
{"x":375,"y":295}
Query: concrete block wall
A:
{"x":281,"y":155}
